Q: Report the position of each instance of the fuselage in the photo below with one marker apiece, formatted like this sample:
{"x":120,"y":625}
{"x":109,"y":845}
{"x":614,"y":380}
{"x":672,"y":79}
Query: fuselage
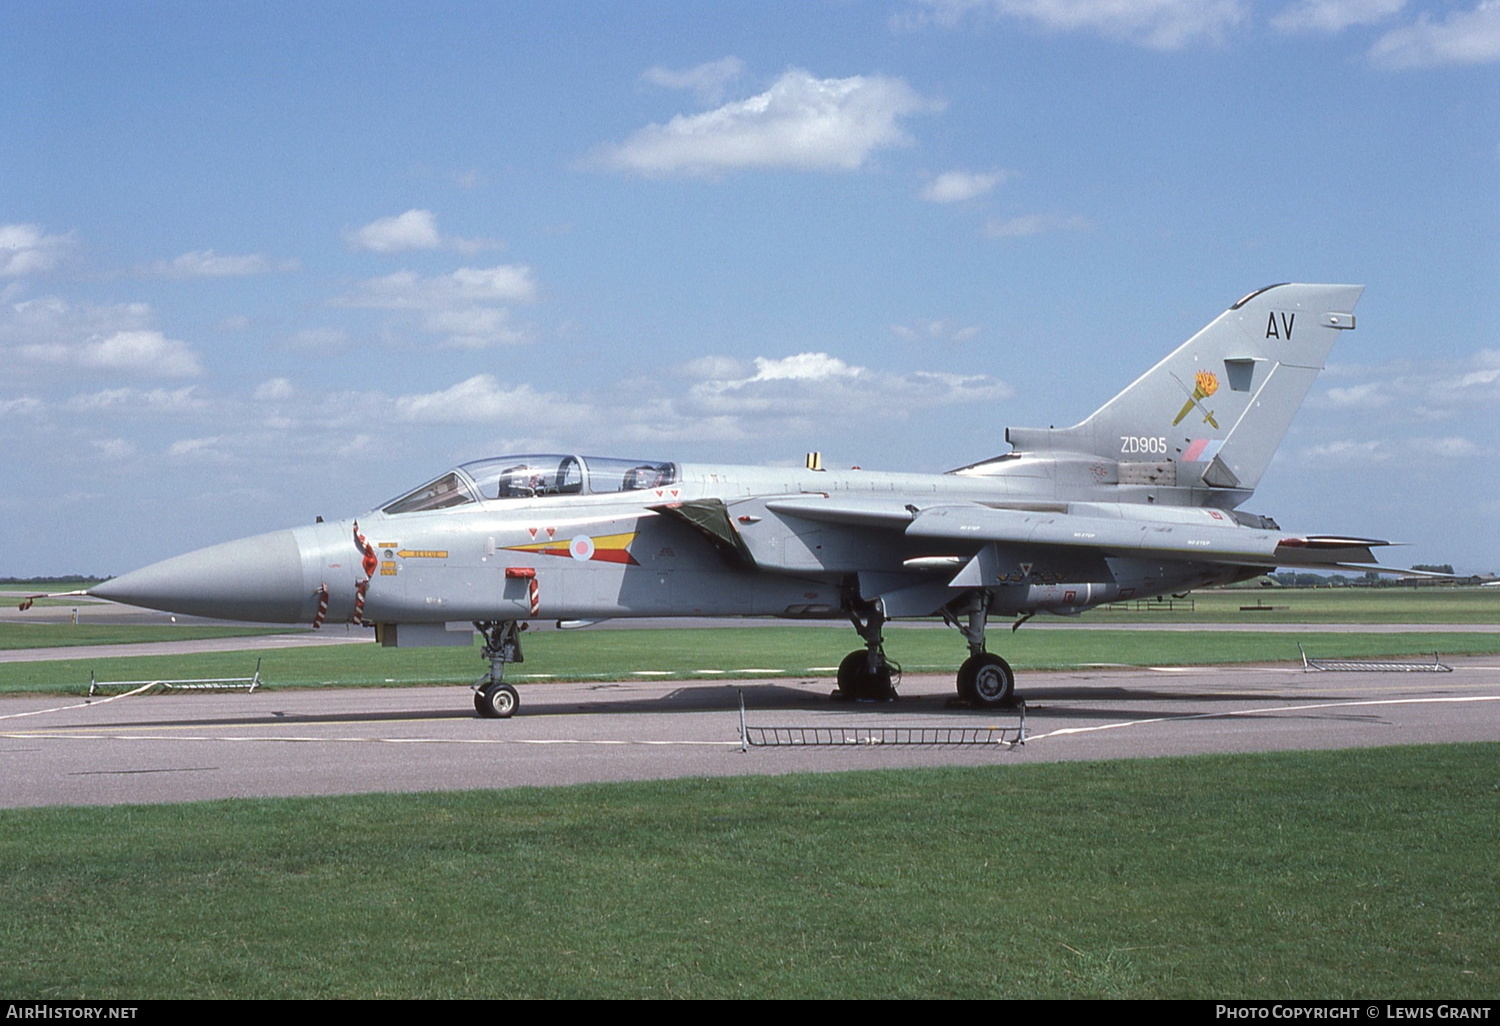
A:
{"x":567,"y":537}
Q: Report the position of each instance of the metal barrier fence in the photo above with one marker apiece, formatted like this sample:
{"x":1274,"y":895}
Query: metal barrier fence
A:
{"x":246,"y":684}
{"x":1372,"y":665}
{"x":866,"y":735}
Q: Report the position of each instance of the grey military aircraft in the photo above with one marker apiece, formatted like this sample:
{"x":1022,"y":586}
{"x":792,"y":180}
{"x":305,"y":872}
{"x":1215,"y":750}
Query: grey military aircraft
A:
{"x":1140,"y":499}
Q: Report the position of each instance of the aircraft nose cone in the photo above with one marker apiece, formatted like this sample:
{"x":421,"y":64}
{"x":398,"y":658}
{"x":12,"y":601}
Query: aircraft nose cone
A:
{"x":258,"y":579}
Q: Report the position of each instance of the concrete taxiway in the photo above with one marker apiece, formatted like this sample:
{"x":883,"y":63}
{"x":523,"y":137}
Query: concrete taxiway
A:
{"x":152,"y":748}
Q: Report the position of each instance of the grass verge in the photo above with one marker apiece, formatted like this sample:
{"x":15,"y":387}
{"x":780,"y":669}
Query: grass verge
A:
{"x":690,"y":653}
{"x":1349,"y":874}
{"x":63,"y":635}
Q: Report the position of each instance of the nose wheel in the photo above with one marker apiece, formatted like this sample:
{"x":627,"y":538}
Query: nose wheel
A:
{"x":496,"y":701}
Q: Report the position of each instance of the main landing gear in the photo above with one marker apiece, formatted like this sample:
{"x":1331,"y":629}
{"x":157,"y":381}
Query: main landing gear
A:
{"x":493,"y":698}
{"x":867,"y":675}
{"x":984,"y":680}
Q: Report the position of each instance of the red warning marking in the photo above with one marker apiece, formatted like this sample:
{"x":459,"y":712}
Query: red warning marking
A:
{"x":551,"y":531}
{"x":534,"y":592}
{"x":322,"y":606}
{"x":367,"y":551}
{"x":532,"y":530}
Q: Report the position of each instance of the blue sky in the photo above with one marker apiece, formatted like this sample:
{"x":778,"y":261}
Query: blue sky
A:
{"x":262,"y":262}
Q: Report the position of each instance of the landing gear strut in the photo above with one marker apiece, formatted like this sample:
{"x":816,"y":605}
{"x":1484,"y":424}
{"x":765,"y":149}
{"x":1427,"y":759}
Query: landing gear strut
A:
{"x":493,"y":698}
{"x":867,"y":675}
{"x":984,"y":679}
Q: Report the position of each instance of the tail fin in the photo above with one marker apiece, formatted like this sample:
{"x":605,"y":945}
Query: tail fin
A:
{"x":1213,"y":412}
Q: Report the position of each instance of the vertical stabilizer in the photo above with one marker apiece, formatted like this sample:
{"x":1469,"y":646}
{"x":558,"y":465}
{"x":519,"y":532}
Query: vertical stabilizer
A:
{"x":1213,"y":412}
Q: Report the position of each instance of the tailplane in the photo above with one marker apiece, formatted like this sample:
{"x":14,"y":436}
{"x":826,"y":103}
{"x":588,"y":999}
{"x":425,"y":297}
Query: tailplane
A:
{"x":1209,"y":417}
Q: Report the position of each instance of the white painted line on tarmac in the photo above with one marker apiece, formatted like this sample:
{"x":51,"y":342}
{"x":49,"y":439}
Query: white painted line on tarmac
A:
{"x":294,"y":739}
{"x":1257,"y":712}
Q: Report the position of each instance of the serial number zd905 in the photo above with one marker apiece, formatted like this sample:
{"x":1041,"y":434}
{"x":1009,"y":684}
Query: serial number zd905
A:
{"x":1137,"y":444}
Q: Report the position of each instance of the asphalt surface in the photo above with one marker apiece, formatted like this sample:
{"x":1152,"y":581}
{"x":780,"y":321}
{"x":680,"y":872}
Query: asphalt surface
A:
{"x":156,"y":748}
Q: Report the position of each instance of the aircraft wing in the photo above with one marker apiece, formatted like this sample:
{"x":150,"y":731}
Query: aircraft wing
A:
{"x":1048,"y":526}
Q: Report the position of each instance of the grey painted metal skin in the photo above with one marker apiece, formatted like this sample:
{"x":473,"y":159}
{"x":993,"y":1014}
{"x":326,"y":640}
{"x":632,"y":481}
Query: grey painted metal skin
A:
{"x":1140,"y":499}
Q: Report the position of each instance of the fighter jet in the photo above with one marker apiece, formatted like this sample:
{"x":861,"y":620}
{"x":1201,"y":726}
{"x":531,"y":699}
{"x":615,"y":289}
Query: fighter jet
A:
{"x":1140,"y":499}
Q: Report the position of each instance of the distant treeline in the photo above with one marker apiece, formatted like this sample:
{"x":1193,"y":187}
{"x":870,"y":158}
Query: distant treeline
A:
{"x":54,"y":579}
{"x":1289,"y":579}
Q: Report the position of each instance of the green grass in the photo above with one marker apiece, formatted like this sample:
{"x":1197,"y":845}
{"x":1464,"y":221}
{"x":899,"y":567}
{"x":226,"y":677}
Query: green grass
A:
{"x":63,"y":635}
{"x":683,"y":653}
{"x":1350,"y":874}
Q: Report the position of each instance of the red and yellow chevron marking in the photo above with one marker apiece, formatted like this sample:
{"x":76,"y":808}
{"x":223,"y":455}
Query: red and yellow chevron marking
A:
{"x":607,"y":548}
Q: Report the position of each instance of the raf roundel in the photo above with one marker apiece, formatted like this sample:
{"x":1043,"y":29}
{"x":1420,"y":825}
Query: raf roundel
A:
{"x":581,"y":548}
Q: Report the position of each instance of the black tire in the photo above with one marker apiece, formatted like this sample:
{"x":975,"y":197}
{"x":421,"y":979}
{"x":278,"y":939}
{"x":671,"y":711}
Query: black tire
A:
{"x":856,"y":682}
{"x":497,"y":701}
{"x":854,"y":674}
{"x":966,"y":679}
{"x":987,"y":681}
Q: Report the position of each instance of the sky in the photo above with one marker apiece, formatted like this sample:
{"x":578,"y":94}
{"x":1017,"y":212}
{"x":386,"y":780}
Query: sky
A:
{"x":263,"y":262}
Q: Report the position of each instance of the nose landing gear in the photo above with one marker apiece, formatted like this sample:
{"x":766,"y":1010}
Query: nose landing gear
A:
{"x":493,"y":698}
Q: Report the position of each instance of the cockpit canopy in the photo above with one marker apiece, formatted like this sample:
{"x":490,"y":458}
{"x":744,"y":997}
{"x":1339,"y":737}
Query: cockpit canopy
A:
{"x":528,"y":477}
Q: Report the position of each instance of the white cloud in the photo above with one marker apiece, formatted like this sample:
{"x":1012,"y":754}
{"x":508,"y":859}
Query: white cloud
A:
{"x":142,"y":352}
{"x":1366,"y":395}
{"x":199,"y":449}
{"x":1157,"y":24}
{"x":708,"y":81}
{"x":26,"y":249}
{"x":1035,"y":224}
{"x":802,"y":123}
{"x":50,"y":320}
{"x":24,"y":406}
{"x":157,"y":400}
{"x":1331,"y":16}
{"x":205,"y":263}
{"x":406,"y":290}
{"x":801,"y":367}
{"x":465,"y":307}
{"x":114,"y":448}
{"x":1409,"y":451}
{"x":766,"y":398}
{"x":474,"y":327}
{"x":1463,"y":37}
{"x":413,"y":230}
{"x":936,"y":331}
{"x":481,"y":399}
{"x":1349,"y":452}
{"x":712,"y":367}
{"x":322,"y":339}
{"x":803,"y":385}
{"x":957,"y":186}
{"x":148,"y":353}
{"x":274,"y":390}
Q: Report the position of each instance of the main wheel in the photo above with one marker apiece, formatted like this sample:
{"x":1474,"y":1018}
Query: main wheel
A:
{"x":853,"y":674}
{"x":857,"y":682}
{"x":497,"y":701}
{"x":987,"y":681}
